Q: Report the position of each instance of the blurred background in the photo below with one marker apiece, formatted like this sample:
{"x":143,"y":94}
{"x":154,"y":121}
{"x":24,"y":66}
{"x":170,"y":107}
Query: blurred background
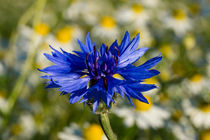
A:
{"x":179,"y":30}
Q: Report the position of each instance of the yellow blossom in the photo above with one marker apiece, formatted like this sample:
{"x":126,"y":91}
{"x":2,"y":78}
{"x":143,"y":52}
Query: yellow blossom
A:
{"x":196,"y":78}
{"x":141,"y":106}
{"x":108,"y":22}
{"x":205,"y":135}
{"x":179,"y":15}
{"x":42,"y":29}
{"x":64,"y":34}
{"x":137,"y":8}
{"x":93,"y":132}
{"x":166,"y":50}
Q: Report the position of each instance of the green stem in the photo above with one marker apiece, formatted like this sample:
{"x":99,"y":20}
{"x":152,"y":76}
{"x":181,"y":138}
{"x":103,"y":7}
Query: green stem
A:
{"x":39,"y":6}
{"x":105,"y":124}
{"x":10,"y":57}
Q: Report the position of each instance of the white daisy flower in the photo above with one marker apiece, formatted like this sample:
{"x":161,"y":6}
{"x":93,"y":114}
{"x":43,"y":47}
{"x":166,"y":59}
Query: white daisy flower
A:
{"x":24,"y":129}
{"x":182,"y":130}
{"x":25,"y":42}
{"x":91,"y":130}
{"x":65,"y":37}
{"x":106,"y":29}
{"x":145,"y":115}
{"x":178,"y":22}
{"x":198,"y":115}
{"x":195,"y":54}
{"x":28,"y":126}
{"x":87,"y":10}
{"x":174,"y":91}
{"x":73,"y":132}
{"x":196,"y":84}
{"x":151,"y":3}
{"x":40,"y":31}
{"x":135,"y":13}
{"x":165,"y":74}
{"x":168,"y":51}
{"x":189,"y":41}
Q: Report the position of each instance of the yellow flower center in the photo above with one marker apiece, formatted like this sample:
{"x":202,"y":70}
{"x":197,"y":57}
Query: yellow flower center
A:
{"x":64,"y":35}
{"x":194,"y":8}
{"x":205,"y":108}
{"x":179,"y":15}
{"x":42,"y":29}
{"x":2,"y":94}
{"x":152,"y":80}
{"x":189,"y":42}
{"x":196,"y":78}
{"x":93,"y":132}
{"x":166,"y":50}
{"x":118,"y":76}
{"x":205,"y":135}
{"x":141,"y":106}
{"x":16,"y":129}
{"x":108,"y":22}
{"x":165,"y":75}
{"x":176,"y":115}
{"x":137,"y":8}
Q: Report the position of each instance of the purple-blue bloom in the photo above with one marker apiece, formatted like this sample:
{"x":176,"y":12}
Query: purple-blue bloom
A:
{"x":88,"y":74}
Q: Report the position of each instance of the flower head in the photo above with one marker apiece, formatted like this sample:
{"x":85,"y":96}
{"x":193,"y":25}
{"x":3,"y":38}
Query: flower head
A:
{"x":89,"y":75}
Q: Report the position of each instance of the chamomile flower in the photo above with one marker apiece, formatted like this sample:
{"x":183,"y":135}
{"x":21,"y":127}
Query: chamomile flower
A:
{"x":28,"y":126}
{"x":89,"y":13}
{"x":135,"y":14}
{"x":42,"y":29}
{"x":195,"y":84}
{"x":66,"y":37}
{"x":145,"y":115}
{"x":189,"y":41}
{"x":151,"y":3}
{"x":106,"y":28}
{"x":178,"y":22}
{"x":94,"y":132}
{"x":23,"y":129}
{"x":73,"y":132}
{"x":167,"y":51}
{"x":182,"y":130}
{"x":165,"y":75}
{"x":199,"y":115}
{"x":39,"y":33}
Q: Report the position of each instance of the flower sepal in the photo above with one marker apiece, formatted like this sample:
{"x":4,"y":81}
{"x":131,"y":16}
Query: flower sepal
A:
{"x":102,"y":107}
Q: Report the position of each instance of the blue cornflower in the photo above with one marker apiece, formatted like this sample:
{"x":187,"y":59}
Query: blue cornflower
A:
{"x":89,"y":75}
